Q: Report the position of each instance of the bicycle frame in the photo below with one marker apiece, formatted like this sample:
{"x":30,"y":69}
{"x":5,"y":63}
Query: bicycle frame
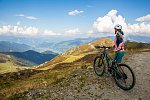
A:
{"x":108,"y":58}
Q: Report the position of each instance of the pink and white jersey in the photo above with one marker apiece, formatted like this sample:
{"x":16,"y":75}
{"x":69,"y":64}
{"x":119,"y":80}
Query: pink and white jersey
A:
{"x":120,"y":47}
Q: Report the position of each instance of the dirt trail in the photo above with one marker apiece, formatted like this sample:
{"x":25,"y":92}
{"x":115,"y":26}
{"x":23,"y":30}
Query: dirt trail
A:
{"x":83,"y":84}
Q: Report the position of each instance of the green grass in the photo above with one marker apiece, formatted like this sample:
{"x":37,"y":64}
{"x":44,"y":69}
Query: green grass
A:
{"x":43,"y":79}
{"x":135,"y":46}
{"x":11,"y":64}
{"x":10,"y":67}
{"x":7,"y":67}
{"x":73,"y":58}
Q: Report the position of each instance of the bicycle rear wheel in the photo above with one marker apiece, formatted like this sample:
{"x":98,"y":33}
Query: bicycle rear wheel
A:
{"x":124,"y":77}
{"x":99,"y":67}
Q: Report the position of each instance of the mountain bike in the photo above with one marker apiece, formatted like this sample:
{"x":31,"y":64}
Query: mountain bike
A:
{"x":123,"y":75}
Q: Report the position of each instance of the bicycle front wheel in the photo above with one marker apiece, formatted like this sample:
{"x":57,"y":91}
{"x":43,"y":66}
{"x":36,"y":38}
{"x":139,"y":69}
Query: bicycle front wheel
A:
{"x":124,"y":77}
{"x":99,"y":66}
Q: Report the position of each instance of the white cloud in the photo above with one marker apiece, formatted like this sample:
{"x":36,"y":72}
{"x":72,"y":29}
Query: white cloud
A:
{"x":28,"y":17}
{"x":90,"y":32}
{"x":73,"y":31}
{"x":18,"y":23}
{"x":49,"y":32}
{"x":145,"y":18}
{"x":75,"y":12}
{"x":20,"y":15}
{"x":106,"y":24}
{"x":90,"y":6}
{"x":139,"y":29}
{"x":18,"y":30}
{"x":31,"y":17}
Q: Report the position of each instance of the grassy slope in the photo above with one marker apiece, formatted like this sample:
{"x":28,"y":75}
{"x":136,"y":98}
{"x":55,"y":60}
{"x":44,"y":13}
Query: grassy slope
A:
{"x":41,"y":79}
{"x":76,"y":53}
{"x":10,"y":64}
{"x":133,"y":47}
{"x":7,"y":67}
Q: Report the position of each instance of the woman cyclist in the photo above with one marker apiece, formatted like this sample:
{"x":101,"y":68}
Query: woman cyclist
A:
{"x":119,"y":45}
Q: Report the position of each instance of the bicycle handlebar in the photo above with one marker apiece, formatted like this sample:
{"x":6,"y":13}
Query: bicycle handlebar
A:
{"x":97,"y":47}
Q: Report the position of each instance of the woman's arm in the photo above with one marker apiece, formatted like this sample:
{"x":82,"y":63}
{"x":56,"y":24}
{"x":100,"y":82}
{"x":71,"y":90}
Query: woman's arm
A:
{"x":120,"y":47}
{"x":121,"y":36}
{"x":115,"y":44}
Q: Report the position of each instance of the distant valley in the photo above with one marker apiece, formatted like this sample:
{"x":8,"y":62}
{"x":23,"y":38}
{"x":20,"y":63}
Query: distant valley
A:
{"x":14,"y":61}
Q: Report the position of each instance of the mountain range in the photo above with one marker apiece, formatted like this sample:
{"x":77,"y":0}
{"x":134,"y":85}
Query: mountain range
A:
{"x":65,"y":45}
{"x":6,"y":46}
{"x":50,"y":45}
{"x":143,"y":39}
{"x":14,"y":61}
{"x":33,"y":56}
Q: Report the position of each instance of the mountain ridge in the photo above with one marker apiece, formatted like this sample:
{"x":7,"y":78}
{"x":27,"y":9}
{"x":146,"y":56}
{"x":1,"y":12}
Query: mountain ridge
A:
{"x":77,"y":53}
{"x":33,"y":56}
{"x":13,"y":47}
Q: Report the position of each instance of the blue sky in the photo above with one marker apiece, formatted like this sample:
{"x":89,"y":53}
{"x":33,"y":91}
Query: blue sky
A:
{"x":52,"y":16}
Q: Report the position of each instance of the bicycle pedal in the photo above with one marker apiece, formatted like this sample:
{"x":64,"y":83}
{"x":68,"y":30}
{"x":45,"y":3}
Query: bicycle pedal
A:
{"x":110,"y":70}
{"x":113,"y":75}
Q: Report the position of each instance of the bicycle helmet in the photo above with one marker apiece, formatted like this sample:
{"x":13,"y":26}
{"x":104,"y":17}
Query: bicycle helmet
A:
{"x":118,"y":27}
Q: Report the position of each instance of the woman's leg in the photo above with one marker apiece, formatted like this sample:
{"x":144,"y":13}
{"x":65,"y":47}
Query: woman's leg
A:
{"x":119,"y":56}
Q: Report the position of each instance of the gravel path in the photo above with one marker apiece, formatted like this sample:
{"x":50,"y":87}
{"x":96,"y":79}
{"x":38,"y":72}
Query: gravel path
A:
{"x":83,"y":84}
